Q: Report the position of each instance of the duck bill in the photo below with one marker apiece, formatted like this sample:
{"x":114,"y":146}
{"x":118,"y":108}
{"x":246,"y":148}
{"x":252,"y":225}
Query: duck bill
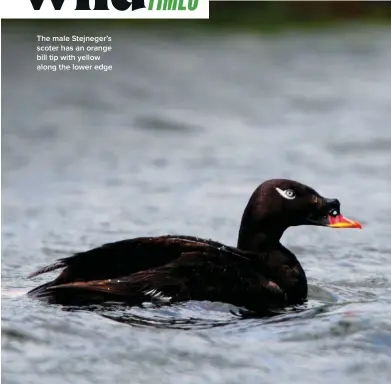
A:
{"x":342,"y":222}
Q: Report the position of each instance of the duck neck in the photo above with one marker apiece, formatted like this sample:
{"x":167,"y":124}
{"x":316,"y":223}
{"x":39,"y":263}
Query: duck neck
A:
{"x":260,"y":228}
{"x":259,"y":238}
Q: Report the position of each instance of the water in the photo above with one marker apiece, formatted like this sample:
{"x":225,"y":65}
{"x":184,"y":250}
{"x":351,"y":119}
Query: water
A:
{"x":175,"y":140}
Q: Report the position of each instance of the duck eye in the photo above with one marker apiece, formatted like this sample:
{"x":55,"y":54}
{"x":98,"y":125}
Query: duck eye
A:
{"x":334,"y":213}
{"x":289,"y":194}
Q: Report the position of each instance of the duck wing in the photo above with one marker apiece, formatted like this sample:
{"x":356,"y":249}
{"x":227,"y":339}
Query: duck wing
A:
{"x":122,"y":258}
{"x":210,"y":273}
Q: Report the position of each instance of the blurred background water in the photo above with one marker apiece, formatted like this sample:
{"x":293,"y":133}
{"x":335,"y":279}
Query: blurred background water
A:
{"x":174,"y":140}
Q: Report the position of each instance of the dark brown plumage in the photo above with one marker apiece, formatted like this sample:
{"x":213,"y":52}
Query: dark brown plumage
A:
{"x":260,"y":274}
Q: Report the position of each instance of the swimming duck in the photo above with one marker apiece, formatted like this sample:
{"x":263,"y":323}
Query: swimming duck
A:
{"x":259,"y":274}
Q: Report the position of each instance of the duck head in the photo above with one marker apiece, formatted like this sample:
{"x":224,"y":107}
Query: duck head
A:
{"x":281,"y":203}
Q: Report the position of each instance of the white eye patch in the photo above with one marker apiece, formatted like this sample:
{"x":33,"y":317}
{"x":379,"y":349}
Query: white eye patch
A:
{"x":287,"y":194}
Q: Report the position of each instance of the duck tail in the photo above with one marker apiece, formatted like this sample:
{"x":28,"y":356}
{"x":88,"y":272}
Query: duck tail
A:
{"x":61,"y":263}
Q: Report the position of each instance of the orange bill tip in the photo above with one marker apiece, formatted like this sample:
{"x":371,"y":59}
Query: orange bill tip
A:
{"x":342,"y":222}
